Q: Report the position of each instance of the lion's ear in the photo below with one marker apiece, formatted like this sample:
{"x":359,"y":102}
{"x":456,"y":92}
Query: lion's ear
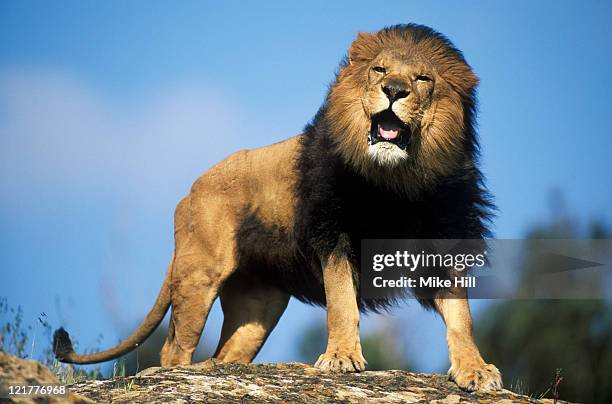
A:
{"x":362,"y":46}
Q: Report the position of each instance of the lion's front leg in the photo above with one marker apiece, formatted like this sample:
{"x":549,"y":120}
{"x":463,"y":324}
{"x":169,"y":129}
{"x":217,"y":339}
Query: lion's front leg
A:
{"x":343,"y":352}
{"x":468,"y":369}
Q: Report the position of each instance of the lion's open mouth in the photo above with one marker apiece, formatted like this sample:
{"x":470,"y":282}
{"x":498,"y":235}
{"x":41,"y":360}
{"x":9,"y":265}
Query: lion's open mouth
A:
{"x":387,"y":127}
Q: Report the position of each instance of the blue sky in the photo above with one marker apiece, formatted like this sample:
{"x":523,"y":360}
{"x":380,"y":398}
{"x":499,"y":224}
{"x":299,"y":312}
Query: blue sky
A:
{"x":109,"y":111}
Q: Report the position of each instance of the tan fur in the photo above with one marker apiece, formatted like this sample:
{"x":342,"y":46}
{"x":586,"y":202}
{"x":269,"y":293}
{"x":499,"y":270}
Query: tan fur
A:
{"x":263,"y":181}
{"x":343,"y":351}
{"x":205,"y":254}
{"x":468,"y":369}
{"x":251,"y":311}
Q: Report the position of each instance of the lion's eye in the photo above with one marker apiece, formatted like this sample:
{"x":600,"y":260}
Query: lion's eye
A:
{"x":422,"y":77}
{"x":379,"y":69}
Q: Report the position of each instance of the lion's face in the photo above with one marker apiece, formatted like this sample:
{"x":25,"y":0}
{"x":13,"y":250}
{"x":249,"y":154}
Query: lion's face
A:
{"x":397,"y":109}
{"x":398,"y":92}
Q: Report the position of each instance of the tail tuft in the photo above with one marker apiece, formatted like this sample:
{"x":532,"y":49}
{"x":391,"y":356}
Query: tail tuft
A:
{"x":62,"y":346}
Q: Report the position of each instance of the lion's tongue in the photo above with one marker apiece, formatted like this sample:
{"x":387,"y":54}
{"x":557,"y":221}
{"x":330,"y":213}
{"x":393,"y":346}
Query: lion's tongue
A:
{"x":388,"y":131}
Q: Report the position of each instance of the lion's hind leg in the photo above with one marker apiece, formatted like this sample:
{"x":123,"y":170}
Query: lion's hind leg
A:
{"x":197,"y":278}
{"x":194,"y":289}
{"x":203,"y":260}
{"x":251,"y":310}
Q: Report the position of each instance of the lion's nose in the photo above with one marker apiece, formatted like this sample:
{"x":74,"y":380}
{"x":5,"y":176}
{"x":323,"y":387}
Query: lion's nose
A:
{"x":395,"y":91}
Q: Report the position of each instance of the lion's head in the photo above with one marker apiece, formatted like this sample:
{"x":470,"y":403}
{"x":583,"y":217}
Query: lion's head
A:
{"x":401,"y":109}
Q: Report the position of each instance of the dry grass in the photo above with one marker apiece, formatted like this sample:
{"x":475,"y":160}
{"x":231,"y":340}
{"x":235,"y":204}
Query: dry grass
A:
{"x":20,"y":339}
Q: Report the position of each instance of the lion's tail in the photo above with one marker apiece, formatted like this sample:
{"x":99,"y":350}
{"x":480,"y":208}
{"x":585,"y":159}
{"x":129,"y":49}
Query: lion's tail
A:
{"x":62,"y":346}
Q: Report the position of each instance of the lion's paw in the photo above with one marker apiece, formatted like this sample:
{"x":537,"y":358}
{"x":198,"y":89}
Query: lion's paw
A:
{"x":479,"y":377}
{"x":341,"y":362}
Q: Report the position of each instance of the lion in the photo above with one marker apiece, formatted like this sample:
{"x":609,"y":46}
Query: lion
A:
{"x":394,"y":136}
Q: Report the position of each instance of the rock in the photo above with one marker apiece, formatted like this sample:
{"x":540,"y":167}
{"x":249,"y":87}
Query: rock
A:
{"x":16,"y":371}
{"x":213,"y":382}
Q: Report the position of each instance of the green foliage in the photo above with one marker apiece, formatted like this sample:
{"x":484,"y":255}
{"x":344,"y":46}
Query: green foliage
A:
{"x":313,"y":342}
{"x":530,"y":339}
{"x":383,"y":350}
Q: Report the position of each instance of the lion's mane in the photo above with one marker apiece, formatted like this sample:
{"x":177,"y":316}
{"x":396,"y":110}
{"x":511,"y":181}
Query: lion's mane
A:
{"x":437,"y":193}
{"x":446,"y":134}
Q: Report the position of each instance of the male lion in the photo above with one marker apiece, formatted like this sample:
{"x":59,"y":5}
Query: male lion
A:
{"x":394,"y":136}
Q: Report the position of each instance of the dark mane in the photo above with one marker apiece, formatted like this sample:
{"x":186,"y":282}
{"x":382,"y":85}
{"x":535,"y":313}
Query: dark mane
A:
{"x":332,"y":198}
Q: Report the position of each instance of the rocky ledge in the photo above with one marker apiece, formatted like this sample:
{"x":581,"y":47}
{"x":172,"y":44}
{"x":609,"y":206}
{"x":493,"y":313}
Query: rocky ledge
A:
{"x":213,"y":382}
